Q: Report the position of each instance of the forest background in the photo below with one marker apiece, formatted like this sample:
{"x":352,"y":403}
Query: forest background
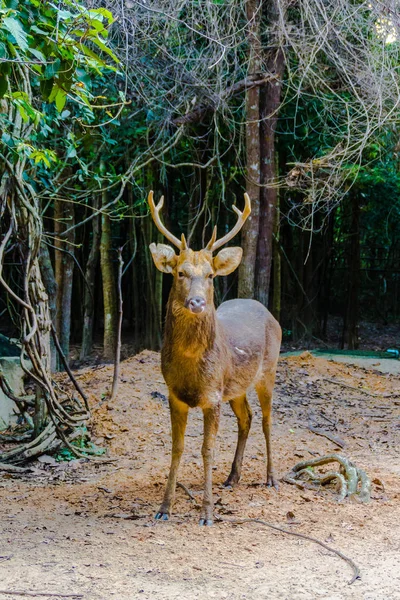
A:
{"x":295,"y":102}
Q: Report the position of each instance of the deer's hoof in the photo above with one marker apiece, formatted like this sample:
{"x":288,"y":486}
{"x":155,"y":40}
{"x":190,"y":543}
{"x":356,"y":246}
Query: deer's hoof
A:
{"x":231,"y":482}
{"x":162,"y":516}
{"x":206,"y":522}
{"x":272,"y":482}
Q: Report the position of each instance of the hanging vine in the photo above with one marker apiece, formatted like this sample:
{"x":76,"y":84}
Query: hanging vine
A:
{"x":51,"y":67}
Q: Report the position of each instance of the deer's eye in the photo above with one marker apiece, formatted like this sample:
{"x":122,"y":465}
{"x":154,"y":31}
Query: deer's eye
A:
{"x":210,"y":276}
{"x":181,"y":274}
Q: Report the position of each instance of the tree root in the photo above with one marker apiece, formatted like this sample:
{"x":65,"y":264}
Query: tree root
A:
{"x":352,"y":482}
{"x":13,"y":469}
{"x":60,"y":414}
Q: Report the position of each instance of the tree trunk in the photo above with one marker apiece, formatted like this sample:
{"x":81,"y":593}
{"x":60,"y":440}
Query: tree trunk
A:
{"x":64,"y":217}
{"x":327,"y":274}
{"x":251,"y":227}
{"x":300,"y":298}
{"x":49,"y":282}
{"x":136,"y":308}
{"x":153,"y":333}
{"x":117,"y":359}
{"x":270,"y":99}
{"x":89,"y":293}
{"x":158,"y":299}
{"x":40,"y":301}
{"x":58,"y":262}
{"x":67,"y":277}
{"x":109,"y":291}
{"x":354,"y":276}
{"x":277,"y":271}
{"x":307,"y":311}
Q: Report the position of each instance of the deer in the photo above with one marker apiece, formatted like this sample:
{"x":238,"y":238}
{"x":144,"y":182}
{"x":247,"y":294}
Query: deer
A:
{"x":210,"y":355}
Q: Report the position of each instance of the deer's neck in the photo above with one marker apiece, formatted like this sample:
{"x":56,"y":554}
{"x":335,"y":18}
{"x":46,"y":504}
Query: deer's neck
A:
{"x":190,"y":335}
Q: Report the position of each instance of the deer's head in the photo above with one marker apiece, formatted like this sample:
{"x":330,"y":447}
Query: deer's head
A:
{"x":194,"y":271}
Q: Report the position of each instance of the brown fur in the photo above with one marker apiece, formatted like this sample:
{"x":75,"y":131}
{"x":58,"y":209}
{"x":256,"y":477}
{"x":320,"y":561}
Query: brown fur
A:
{"x":213,"y":357}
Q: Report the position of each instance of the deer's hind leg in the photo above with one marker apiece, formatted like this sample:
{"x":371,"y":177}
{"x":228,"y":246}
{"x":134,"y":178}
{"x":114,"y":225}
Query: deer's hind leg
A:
{"x":242,"y":410}
{"x":264,"y":390}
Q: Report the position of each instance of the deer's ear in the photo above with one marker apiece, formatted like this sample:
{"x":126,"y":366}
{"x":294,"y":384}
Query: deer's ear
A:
{"x":164,"y":257}
{"x":227,"y":260}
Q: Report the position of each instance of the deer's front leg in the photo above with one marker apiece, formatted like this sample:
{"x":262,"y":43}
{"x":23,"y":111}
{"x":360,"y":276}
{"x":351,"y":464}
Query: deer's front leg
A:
{"x":211,"y":423}
{"x":179,"y":412}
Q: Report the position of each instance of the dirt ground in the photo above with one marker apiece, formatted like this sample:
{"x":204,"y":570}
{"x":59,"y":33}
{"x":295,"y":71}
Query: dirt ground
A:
{"x":87,"y":528}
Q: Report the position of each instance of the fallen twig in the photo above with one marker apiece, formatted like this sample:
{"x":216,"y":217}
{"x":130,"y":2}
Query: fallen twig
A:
{"x":333,"y":438}
{"x":356,"y":570}
{"x":188,"y":492}
{"x":352,"y":387}
{"x":125,"y":516}
{"x":53,"y":595}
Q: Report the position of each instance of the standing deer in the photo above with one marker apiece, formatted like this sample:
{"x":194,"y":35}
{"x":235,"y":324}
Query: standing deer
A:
{"x":212,"y":356}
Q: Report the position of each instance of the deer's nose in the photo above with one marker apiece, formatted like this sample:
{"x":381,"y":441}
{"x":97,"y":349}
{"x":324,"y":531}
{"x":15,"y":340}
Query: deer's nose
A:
{"x":196,"y":304}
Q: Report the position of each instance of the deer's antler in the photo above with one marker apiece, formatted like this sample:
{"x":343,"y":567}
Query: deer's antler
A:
{"x":155,"y":213}
{"x":214,"y":244}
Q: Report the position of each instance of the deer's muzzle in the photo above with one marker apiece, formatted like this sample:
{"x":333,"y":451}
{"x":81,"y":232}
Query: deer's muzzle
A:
{"x":196,"y":304}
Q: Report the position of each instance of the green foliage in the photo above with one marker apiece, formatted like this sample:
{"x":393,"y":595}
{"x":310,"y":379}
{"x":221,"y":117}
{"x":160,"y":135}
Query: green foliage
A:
{"x":56,"y":58}
{"x":50,"y":74}
{"x":83,"y":444}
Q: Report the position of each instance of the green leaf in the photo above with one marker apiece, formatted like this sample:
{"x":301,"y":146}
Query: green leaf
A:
{"x":105,"y":49}
{"x":13,"y":4}
{"x":98,"y":27}
{"x":53,"y":93}
{"x":92,"y":54}
{"x":7,"y":139}
{"x":5,"y":68}
{"x":23,"y":113}
{"x":21,"y":96}
{"x":83,"y":96}
{"x":104,"y":12}
{"x":17,"y":31}
{"x":71,"y":152}
{"x":25,"y":108}
{"x":65,"y":75}
{"x":3,"y":84}
{"x":52,"y":69}
{"x":3,"y":50}
{"x":83,"y":76}
{"x":64,"y":15}
{"x":61,"y":99}
{"x":38,"y":30}
{"x":37,"y":54}
{"x":43,"y":156}
{"x":45,"y":87}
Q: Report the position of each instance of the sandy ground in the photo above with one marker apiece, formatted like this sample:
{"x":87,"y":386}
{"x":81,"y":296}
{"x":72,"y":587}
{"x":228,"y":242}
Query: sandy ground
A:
{"x":87,"y":528}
